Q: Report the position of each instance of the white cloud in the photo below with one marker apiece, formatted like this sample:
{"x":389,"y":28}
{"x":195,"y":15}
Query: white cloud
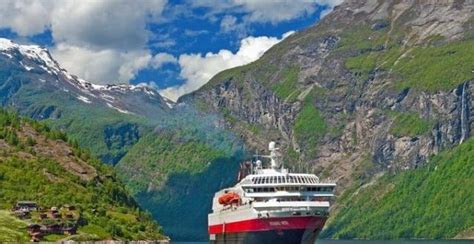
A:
{"x":115,"y":24}
{"x":276,"y":11}
{"x":198,"y":69}
{"x":25,"y":17}
{"x":102,"y":41}
{"x":162,"y":58}
{"x":106,"y":41}
{"x":266,"y":11}
{"x":102,"y":66}
{"x":107,"y":66}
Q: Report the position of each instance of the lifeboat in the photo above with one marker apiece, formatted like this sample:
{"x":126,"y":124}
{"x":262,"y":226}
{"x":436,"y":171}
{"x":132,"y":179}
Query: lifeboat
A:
{"x":229,"y":198}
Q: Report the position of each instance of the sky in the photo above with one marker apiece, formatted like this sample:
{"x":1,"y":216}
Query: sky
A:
{"x":175,"y":46}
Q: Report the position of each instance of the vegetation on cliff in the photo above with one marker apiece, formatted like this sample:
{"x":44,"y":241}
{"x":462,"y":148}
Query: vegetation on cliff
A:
{"x":38,"y":164}
{"x":434,"y":201}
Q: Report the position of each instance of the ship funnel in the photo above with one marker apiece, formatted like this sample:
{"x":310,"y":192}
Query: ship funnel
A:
{"x":275,"y":157}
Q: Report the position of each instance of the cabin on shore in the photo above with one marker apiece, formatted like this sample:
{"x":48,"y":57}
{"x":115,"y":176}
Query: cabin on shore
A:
{"x":69,"y":207}
{"x":26,"y":206}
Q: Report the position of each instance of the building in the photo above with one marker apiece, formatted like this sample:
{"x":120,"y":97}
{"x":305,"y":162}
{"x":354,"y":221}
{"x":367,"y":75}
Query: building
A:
{"x":26,"y":206}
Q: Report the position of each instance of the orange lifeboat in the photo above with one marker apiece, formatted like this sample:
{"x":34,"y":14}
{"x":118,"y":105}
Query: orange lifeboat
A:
{"x":229,"y":198}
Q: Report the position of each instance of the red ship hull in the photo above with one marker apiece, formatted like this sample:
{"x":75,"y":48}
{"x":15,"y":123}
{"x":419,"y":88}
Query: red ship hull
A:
{"x":294,"y":229}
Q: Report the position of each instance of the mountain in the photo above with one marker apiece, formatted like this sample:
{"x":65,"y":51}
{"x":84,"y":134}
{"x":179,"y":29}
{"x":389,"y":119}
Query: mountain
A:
{"x":374,"y":88}
{"x":153,"y":142}
{"x":107,"y":119}
{"x":38,"y":164}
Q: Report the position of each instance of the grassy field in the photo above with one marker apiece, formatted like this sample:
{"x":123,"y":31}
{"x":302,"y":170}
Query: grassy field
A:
{"x":12,"y":229}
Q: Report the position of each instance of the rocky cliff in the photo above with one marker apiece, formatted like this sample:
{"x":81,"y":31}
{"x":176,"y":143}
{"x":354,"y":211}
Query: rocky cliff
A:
{"x":374,"y":86}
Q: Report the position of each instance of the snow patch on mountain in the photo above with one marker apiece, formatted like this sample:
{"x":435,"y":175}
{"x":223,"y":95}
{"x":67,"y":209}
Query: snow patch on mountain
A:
{"x":118,"y":109}
{"x":121,"y":97}
{"x":32,"y":52}
{"x":84,"y":99}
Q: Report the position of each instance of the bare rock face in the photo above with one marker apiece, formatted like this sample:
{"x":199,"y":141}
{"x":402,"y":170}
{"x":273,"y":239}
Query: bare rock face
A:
{"x":360,"y":107}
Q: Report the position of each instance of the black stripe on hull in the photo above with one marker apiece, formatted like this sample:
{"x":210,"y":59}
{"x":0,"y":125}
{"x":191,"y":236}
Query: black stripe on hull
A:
{"x":298,"y":236}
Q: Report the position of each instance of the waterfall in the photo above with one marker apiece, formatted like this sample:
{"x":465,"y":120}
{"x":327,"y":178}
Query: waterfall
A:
{"x":464,"y":115}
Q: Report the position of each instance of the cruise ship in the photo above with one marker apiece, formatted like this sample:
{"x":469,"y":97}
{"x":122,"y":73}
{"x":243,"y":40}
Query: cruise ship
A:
{"x":270,"y":205}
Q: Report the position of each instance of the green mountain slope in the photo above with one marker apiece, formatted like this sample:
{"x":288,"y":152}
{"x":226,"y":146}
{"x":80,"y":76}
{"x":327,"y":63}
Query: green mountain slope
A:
{"x":434,"y":201}
{"x":175,"y":171}
{"x":37,"y":164}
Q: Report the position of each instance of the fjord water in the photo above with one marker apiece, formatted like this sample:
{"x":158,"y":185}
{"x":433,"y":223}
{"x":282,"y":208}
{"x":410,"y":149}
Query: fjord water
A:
{"x":393,"y":241}
{"x":375,"y":242}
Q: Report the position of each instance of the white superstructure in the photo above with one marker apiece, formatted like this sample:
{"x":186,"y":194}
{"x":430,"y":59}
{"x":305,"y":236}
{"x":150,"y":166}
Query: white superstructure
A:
{"x":270,"y":193}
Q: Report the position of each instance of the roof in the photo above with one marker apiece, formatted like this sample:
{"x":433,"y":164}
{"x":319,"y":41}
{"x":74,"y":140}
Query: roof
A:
{"x":26,"y":202}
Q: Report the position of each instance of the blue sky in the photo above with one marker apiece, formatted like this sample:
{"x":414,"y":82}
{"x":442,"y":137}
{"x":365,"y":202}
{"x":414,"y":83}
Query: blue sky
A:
{"x":175,"y":46}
